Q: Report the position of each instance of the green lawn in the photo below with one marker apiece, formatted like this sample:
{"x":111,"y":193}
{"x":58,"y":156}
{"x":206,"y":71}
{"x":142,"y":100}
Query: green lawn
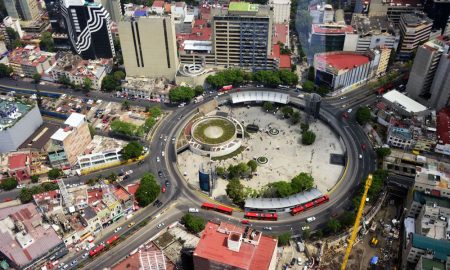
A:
{"x":228,"y":131}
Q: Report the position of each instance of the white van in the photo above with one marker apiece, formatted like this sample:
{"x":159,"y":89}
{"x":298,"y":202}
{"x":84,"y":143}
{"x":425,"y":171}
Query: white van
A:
{"x":193,"y":210}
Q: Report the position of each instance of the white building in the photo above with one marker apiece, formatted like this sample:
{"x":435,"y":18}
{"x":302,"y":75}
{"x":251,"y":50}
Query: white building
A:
{"x":178,"y":11}
{"x":154,"y":89}
{"x":157,"y":7}
{"x":100,"y":151}
{"x":403,"y":104}
{"x":321,"y":13}
{"x":281,"y":10}
{"x":14,"y":24}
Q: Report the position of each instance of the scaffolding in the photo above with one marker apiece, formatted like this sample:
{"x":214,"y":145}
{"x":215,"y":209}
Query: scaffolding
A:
{"x":152,"y":260}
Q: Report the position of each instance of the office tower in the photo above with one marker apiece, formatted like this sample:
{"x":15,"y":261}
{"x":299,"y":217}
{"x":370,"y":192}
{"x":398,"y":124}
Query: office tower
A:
{"x":429,"y":80}
{"x":415,"y":28}
{"x":439,"y":12}
{"x":242,"y":35}
{"x":393,"y":9}
{"x":281,"y":10}
{"x":27,"y":10}
{"x":149,"y":46}
{"x":113,"y":8}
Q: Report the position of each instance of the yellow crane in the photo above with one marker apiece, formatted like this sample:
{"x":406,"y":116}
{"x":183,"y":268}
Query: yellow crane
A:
{"x":357,"y":221}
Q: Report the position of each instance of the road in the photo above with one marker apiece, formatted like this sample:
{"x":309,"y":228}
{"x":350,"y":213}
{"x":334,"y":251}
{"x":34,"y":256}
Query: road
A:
{"x":356,"y":171}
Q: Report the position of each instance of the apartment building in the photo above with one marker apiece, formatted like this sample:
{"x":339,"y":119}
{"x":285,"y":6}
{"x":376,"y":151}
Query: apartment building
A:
{"x":242,"y":35}
{"x":415,"y":28}
{"x":370,"y":33}
{"x":403,"y":163}
{"x":69,"y":142}
{"x":393,"y":9}
{"x":432,"y":181}
{"x":400,"y":137}
{"x":429,"y":72}
{"x":26,"y":10}
{"x":149,"y":46}
{"x":30,"y":60}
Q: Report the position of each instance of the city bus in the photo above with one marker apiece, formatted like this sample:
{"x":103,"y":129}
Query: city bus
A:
{"x":261,"y":216}
{"x":218,"y":208}
{"x":96,"y":250}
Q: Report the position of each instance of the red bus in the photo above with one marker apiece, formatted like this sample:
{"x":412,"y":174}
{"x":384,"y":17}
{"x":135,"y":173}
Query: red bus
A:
{"x":321,"y":200}
{"x":308,"y":205}
{"x":96,"y":250}
{"x":218,"y":208}
{"x":297,"y":210}
{"x":112,"y":239}
{"x":226,"y":88}
{"x":262,"y":216}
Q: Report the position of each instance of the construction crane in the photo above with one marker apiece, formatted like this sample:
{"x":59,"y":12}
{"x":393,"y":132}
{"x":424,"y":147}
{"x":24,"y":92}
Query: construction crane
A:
{"x":351,"y":241}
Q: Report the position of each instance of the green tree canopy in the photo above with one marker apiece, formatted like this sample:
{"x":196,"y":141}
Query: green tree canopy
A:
{"x":282,"y":188}
{"x":109,"y":84}
{"x":64,"y":80}
{"x":308,"y":137}
{"x":148,"y":190}
{"x":181,"y":94}
{"x":253,"y":165}
{"x":199,"y":90}
{"x":8,"y":183}
{"x":132,"y":150}
{"x":54,"y":174}
{"x":119,"y":75}
{"x":302,"y":182}
{"x":193,"y":223}
{"x":308,"y":86}
{"x":126,"y":105}
{"x":268,"y":106}
{"x":287,"y":111}
{"x":363,"y":115}
{"x":5,"y":70}
{"x":295,"y":117}
{"x":124,"y":128}
{"x":383,"y":152}
{"x":235,"y":190}
{"x":347,"y":219}
{"x":47,"y":43}
{"x":87,"y":84}
{"x":26,"y":194}
{"x":36,"y":77}
{"x":333,"y":225}
{"x":34,"y":178}
{"x":283,"y":239}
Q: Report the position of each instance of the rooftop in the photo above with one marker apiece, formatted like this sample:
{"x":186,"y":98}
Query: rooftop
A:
{"x":74,"y":120}
{"x":40,"y":137}
{"x":330,"y":29}
{"x":48,"y":201}
{"x":415,"y":19}
{"x":429,"y":264}
{"x":11,"y":111}
{"x":406,"y":103}
{"x":76,"y":66}
{"x":34,"y":240}
{"x":281,"y":33}
{"x":17,"y":161}
{"x":100,"y":144}
{"x":30,"y":55}
{"x":423,"y":199}
{"x":215,"y":245}
{"x":243,"y":6}
{"x":342,"y":60}
{"x":284,"y":59}
{"x":443,"y":126}
{"x":365,"y":25}
{"x":441,"y":248}
{"x":401,"y":132}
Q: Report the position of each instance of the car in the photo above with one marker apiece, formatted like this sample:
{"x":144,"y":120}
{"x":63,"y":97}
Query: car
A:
{"x":162,"y":153}
{"x":244,"y":221}
{"x":304,"y":228}
{"x":159,"y":204}
{"x":156,"y":202}
{"x":363,"y":146}
{"x":160,"y":173}
{"x":360,"y":156}
{"x":161,"y":137}
{"x":160,"y":225}
{"x":65,"y":266}
{"x":167,"y":183}
{"x":259,"y":86}
{"x":165,"y":139}
{"x":118,"y":229}
{"x":341,"y":98}
{"x":163,"y":189}
{"x":125,"y":177}
{"x":267,"y":228}
{"x":181,"y":105}
{"x":350,"y":110}
{"x":85,"y":255}
{"x":74,"y":262}
{"x":131,"y":224}
{"x":145,"y":149}
{"x":121,"y":173}
{"x":299,"y":261}
{"x":293,"y":261}
{"x":310,"y":219}
{"x":157,"y":159}
{"x":345,"y":115}
{"x":193,"y":210}
{"x":129,"y":172}
{"x":173,"y":139}
{"x":102,"y":243}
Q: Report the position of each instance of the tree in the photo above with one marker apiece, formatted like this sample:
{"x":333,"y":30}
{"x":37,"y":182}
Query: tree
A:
{"x":5,"y":71}
{"x":54,"y":174}
{"x":132,"y":150}
{"x":34,"y":178}
{"x":308,"y":86}
{"x":148,"y":190}
{"x":199,"y":90}
{"x":155,"y":111}
{"x":221,"y":171}
{"x":125,"y":105}
{"x":235,"y":190}
{"x":363,"y":115}
{"x":306,"y":234}
{"x":9,"y":183}
{"x":47,"y":43}
{"x":119,"y":75}
{"x":287,"y":111}
{"x":302,"y":182}
{"x":181,"y":93}
{"x":308,"y":137}
{"x":322,"y":90}
{"x":87,"y":84}
{"x":282,"y":188}
{"x":295,"y":117}
{"x":16,"y":43}
{"x":383,"y":152}
{"x":193,"y":224}
{"x":124,"y":128}
{"x":12,"y":34}
{"x":347,"y":218}
{"x":109,"y":83}
{"x":267,"y":106}
{"x":333,"y":225}
{"x":64,"y":80}
{"x":36,"y":77}
{"x":253,"y":165}
{"x":283,"y":239}
{"x":304,"y":127}
{"x":311,"y":73}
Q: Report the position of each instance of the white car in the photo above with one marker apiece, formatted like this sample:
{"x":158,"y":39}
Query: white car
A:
{"x":193,"y":210}
{"x":350,"y":110}
{"x":129,"y":172}
{"x":162,"y":153}
{"x":305,"y":228}
{"x":85,"y":255}
{"x":157,"y":159}
{"x":360,"y":156}
{"x":160,"y":225}
{"x":118,"y":229}
{"x":267,"y":228}
{"x":310,"y":219}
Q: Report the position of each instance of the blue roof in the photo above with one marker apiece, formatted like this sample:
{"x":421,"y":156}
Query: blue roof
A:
{"x":140,"y":13}
{"x":441,"y":248}
{"x":374,"y":260}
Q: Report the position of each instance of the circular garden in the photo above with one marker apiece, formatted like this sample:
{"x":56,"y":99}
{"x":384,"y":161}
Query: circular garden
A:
{"x":214,"y":131}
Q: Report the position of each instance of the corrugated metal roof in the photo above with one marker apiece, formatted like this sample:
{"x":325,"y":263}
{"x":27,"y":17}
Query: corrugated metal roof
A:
{"x":441,"y":248}
{"x":278,"y":203}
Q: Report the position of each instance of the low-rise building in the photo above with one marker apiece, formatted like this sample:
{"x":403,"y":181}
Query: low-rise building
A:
{"x":100,"y":151}
{"x":227,"y":246}
{"x":77,"y":70}
{"x":400,"y":137}
{"x":26,"y":240}
{"x":404,"y":105}
{"x":443,"y":131}
{"x":329,"y":37}
{"x":403,"y":163}
{"x":321,"y":12}
{"x":432,"y":181}
{"x":30,"y":60}
{"x":155,"y":89}
{"x":19,"y":166}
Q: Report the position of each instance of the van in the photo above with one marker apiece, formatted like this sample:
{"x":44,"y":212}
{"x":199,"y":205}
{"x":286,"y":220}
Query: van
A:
{"x":193,"y":210}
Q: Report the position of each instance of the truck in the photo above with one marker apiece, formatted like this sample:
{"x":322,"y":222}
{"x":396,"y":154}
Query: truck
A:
{"x":226,"y":88}
{"x":198,"y":99}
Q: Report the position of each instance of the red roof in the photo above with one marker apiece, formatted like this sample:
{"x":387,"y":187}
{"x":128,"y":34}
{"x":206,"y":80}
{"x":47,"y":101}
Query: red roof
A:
{"x":280,"y":33}
{"x":17,"y":161}
{"x":443,"y":125}
{"x":158,"y":4}
{"x":132,"y":188}
{"x":284,"y":59}
{"x":331,"y":29}
{"x":342,"y":60}
{"x":213,"y":247}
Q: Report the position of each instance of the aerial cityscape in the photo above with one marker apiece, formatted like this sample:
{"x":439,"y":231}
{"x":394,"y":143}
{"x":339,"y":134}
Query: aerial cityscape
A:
{"x":225,"y":134}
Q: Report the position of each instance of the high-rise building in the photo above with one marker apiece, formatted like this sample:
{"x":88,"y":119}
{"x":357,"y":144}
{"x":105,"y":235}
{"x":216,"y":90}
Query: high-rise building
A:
{"x":113,"y":8}
{"x":371,"y":32}
{"x":281,"y":10}
{"x":429,"y":78}
{"x":242,"y":35}
{"x":329,"y":37}
{"x":393,"y":9}
{"x":27,"y":10}
{"x":149,"y":46}
{"x":85,"y":25}
{"x":415,"y":28}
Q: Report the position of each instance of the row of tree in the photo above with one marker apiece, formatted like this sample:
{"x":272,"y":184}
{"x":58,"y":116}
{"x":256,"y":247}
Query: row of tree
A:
{"x":299,"y":183}
{"x":26,"y":194}
{"x":131,"y":130}
{"x":112,"y":82}
{"x":237,"y":171}
{"x":185,"y":93}
{"x":148,"y":190}
{"x":237,"y":77}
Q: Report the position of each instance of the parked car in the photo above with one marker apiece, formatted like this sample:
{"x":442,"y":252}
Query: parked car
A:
{"x":310,"y":219}
{"x":193,"y":210}
{"x":167,"y":183}
{"x":267,"y":228}
{"x":131,"y":224}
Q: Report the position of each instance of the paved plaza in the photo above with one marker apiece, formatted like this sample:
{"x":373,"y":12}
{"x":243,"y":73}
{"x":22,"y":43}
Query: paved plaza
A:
{"x":286,"y":155}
